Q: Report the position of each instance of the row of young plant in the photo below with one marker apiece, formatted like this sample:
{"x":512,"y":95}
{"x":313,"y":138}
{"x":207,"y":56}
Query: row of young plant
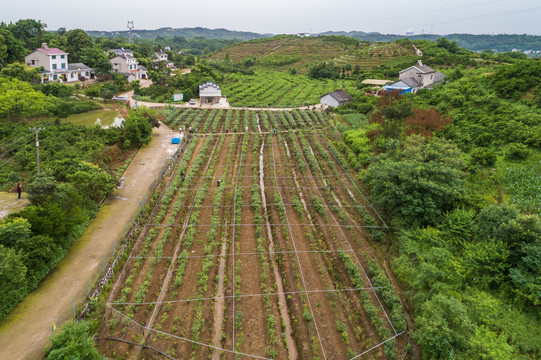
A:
{"x":187,"y":239}
{"x":307,"y":316}
{"x":198,"y":323}
{"x":390,"y":298}
{"x":237,"y":218}
{"x":182,"y":260}
{"x":153,"y":235}
{"x":329,"y":154}
{"x":276,"y":89}
{"x":315,"y":239}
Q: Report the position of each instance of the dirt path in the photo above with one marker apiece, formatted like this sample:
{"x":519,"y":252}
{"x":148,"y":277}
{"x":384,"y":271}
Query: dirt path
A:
{"x":26,"y":331}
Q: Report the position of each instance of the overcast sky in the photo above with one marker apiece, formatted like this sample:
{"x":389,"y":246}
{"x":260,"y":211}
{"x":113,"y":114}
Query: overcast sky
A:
{"x":288,"y":16}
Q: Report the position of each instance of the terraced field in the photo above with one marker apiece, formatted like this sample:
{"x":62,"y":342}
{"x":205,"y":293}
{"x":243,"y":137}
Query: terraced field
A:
{"x":276,"y":260}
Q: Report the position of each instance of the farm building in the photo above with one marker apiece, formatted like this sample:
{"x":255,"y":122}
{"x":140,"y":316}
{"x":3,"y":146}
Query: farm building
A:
{"x":210,"y":93}
{"x":335,"y":98}
{"x":416,"y":77}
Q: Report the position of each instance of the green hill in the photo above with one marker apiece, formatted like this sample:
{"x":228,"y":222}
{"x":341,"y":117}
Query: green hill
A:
{"x":284,"y":52}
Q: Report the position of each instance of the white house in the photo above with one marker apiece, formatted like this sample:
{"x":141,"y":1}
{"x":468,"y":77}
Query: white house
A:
{"x":416,"y":77}
{"x":209,"y":93}
{"x":335,"y":98}
{"x":56,"y":66}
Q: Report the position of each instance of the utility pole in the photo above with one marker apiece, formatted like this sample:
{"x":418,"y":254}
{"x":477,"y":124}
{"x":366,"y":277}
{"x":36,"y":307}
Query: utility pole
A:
{"x":37,"y":130}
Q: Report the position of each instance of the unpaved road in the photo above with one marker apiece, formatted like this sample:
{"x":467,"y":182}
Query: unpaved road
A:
{"x":25,"y":332}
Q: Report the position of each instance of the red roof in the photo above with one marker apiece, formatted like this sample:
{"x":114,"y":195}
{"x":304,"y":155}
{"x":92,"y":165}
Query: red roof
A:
{"x":51,"y":51}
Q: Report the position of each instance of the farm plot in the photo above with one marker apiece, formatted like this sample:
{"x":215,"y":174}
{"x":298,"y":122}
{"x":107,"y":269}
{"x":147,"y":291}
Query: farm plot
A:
{"x":275,"y":89}
{"x":273,"y":261}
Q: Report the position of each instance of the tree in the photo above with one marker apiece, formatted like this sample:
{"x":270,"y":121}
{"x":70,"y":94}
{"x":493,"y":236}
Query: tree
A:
{"x":443,"y":325}
{"x":420,"y":182}
{"x":74,"y":341}
{"x":14,"y":231}
{"x":42,"y":189}
{"x":11,"y":49}
{"x":19,"y":100}
{"x":12,"y":279}
{"x":390,"y":114}
{"x":77,"y":41}
{"x":96,"y":59}
{"x":485,"y":344}
{"x":90,"y":180}
{"x":21,"y":72}
{"x":426,"y":122}
{"x":30,"y":31}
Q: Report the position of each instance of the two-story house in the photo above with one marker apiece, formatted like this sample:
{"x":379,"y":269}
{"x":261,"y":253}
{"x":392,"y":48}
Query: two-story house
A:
{"x":161,"y":56}
{"x":55,"y":65}
{"x":416,"y":77}
{"x":125,"y":63}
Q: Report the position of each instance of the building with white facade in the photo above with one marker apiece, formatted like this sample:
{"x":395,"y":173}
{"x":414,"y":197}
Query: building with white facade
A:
{"x":210,"y":93}
{"x":56,"y":66}
{"x":335,"y":99}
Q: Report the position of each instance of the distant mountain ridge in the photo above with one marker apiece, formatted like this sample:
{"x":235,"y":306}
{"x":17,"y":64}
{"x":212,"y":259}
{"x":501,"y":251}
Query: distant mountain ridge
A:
{"x":499,"y":42}
{"x":188,"y":33}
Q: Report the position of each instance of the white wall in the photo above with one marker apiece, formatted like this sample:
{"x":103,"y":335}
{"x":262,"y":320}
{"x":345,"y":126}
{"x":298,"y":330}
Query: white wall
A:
{"x":329,"y":101}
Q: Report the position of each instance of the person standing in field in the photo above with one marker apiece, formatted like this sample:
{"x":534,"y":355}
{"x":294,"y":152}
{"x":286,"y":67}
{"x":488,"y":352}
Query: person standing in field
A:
{"x":19,"y":191}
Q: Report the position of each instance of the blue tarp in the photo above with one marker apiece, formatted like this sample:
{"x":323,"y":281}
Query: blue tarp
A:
{"x":175,"y":139}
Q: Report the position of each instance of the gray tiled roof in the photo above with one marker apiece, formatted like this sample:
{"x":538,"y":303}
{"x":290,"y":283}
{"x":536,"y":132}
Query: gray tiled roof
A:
{"x":412,"y":82}
{"x":340,"y":96}
{"x":78,"y":66}
{"x":208,"y":85}
{"x":438,"y":77}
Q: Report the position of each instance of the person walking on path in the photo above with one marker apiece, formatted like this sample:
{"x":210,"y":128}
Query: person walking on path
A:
{"x":19,"y":190}
{"x":219,"y":182}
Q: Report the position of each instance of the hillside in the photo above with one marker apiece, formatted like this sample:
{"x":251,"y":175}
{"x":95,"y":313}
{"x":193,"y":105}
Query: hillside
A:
{"x":188,"y":33}
{"x":284,"y":52}
{"x":499,"y":42}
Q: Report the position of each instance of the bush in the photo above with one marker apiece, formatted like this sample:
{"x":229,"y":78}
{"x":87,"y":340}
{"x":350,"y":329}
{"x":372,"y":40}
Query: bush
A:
{"x":74,"y":341}
{"x":517,"y":151}
{"x":483,"y":156}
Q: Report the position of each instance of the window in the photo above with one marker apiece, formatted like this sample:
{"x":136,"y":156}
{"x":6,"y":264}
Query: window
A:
{"x":419,"y":75}
{"x":63,"y":65}
{"x":431,"y":76}
{"x":54,"y":57}
{"x":54,"y":66}
{"x":61,"y":56}
{"x":33,"y":62}
{"x":72,"y":75}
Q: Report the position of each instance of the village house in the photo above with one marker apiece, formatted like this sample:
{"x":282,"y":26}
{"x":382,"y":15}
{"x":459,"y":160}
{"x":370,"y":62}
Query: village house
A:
{"x":335,"y":99}
{"x":210,"y":93}
{"x":56,"y":66}
{"x":126,"y":64}
{"x":162,"y":56}
{"x":414,"y":78}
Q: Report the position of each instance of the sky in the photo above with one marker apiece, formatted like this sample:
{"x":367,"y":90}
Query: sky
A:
{"x":288,"y":16}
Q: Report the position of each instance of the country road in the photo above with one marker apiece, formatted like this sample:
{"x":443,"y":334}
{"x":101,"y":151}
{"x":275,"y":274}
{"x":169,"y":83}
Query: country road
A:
{"x":25,"y":332}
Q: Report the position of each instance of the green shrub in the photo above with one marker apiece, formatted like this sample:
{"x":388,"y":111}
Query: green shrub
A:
{"x":517,"y":151}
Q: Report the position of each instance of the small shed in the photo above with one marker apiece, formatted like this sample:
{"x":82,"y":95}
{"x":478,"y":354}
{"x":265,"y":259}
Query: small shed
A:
{"x":210,"y":93}
{"x":335,"y":98}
